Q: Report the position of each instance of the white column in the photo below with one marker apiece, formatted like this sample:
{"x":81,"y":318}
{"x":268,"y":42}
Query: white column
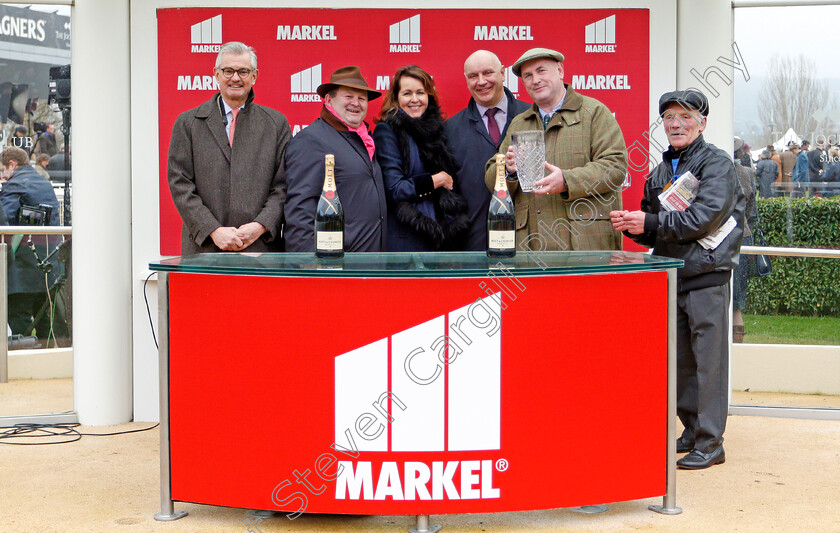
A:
{"x":704,"y":36}
{"x":101,"y":144}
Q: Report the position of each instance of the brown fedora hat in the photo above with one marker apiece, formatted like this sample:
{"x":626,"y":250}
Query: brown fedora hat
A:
{"x":347,"y":77}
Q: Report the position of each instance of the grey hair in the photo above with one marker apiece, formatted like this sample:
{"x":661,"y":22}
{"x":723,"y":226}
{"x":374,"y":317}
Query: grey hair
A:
{"x":236,"y":48}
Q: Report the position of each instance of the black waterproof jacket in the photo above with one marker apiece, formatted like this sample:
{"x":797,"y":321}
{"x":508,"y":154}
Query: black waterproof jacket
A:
{"x":675,"y":233}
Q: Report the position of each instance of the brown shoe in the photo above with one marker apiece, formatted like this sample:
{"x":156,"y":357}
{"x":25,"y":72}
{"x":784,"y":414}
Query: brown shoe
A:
{"x":738,"y":334}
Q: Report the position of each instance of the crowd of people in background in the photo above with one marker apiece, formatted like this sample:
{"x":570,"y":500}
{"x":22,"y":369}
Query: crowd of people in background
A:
{"x":794,"y":170}
{"x":45,"y":154}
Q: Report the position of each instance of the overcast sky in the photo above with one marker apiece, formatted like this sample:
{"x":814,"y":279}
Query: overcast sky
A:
{"x":813,"y":31}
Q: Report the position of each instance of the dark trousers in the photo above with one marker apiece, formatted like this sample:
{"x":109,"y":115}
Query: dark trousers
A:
{"x":24,"y":306}
{"x":703,"y":365}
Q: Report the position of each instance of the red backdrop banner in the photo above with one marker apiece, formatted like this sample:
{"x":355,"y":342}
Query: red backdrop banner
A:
{"x":606,"y":51}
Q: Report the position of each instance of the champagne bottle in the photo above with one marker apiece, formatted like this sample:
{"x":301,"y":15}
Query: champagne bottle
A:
{"x":329,"y":217}
{"x":501,"y":219}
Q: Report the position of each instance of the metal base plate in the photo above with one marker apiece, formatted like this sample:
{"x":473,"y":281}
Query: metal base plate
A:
{"x":591,"y":509}
{"x":665,"y":510}
{"x":170,"y":517}
{"x":259,"y":513}
{"x":432,"y":529}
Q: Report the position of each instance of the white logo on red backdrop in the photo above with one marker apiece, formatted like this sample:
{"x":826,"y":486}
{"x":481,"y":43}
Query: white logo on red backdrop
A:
{"x":306,"y":33}
{"x":469,"y":407}
{"x":600,"y":35}
{"x":197,"y":83}
{"x":206,"y":36}
{"x":405,"y":35}
{"x":612,"y":82}
{"x":503,"y":33}
{"x":305,"y":83}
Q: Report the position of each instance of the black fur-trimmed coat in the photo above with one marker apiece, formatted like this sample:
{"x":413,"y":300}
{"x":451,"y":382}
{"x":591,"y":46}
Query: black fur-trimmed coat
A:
{"x":410,"y":151}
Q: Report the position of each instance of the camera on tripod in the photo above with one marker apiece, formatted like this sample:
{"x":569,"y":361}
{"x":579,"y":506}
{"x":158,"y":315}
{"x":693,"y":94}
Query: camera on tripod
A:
{"x":31,"y":215}
{"x":60,"y":86}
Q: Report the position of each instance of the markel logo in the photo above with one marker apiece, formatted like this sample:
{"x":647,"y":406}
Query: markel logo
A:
{"x":445,"y":378}
{"x":304,"y":84}
{"x":503,"y":33}
{"x":306,"y":33}
{"x":383,"y":83}
{"x":197,"y":83}
{"x":206,"y":36}
{"x":597,"y":82}
{"x":600,"y":36}
{"x":405,"y":35}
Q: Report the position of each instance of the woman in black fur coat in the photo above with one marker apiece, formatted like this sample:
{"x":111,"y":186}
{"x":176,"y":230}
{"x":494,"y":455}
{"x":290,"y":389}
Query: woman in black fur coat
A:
{"x":418,"y":168}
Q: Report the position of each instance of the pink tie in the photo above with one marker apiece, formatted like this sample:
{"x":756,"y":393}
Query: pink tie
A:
{"x":235,"y":112}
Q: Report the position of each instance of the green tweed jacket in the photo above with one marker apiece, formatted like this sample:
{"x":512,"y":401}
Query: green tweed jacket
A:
{"x":584,"y":140}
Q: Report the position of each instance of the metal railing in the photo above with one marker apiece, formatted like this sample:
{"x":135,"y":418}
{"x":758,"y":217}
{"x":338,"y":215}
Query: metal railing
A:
{"x":4,"y":282}
{"x":813,"y":413}
{"x":790,"y":252}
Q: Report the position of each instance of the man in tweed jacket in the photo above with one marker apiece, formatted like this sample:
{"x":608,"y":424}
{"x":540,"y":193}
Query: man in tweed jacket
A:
{"x":586,"y":160}
{"x":225,"y":169}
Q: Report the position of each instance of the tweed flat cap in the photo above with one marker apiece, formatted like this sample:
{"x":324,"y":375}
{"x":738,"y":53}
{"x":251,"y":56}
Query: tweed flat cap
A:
{"x":689,"y":97}
{"x":536,"y":53}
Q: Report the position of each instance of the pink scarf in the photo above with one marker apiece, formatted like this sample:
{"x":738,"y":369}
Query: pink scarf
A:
{"x":361,"y":130}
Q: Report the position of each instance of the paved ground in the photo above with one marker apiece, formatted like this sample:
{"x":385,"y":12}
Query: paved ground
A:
{"x":780,"y":475}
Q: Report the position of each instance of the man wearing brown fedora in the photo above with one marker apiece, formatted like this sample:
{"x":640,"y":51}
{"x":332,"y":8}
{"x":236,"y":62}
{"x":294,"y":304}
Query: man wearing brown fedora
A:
{"x":341,"y":131}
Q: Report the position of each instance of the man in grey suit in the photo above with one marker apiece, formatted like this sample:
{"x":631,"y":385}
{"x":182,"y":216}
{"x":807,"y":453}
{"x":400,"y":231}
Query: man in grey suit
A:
{"x":226,"y":170}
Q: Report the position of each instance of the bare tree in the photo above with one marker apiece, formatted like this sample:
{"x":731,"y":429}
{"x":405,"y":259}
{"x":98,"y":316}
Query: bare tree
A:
{"x":793,"y":97}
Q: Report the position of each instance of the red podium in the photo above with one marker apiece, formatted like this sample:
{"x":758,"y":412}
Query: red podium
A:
{"x":416,"y":383}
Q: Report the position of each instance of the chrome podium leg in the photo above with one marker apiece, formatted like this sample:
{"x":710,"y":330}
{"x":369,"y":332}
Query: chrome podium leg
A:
{"x":423,"y":525}
{"x":167,"y":507}
{"x":669,"y":501}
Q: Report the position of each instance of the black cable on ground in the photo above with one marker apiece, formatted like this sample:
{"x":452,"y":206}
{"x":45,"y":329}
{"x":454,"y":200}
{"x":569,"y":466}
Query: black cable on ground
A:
{"x":67,"y":431}
{"x":149,"y":311}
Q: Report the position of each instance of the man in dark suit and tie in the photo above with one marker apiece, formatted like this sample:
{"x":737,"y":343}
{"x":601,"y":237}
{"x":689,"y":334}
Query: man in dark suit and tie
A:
{"x":226,"y":170}
{"x":475,"y":133}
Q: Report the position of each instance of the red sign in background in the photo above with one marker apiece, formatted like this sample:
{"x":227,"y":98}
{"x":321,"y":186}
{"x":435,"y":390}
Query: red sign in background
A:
{"x":294,"y":42}
{"x":252,"y":394}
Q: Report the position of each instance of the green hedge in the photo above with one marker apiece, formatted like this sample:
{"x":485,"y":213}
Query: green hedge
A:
{"x":799,"y":285}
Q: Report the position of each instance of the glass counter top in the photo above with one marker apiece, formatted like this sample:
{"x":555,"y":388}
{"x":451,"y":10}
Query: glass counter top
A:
{"x":414,"y":264}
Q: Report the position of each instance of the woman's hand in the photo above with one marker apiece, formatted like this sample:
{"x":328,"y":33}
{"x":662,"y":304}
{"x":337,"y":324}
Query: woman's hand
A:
{"x":442,"y":179}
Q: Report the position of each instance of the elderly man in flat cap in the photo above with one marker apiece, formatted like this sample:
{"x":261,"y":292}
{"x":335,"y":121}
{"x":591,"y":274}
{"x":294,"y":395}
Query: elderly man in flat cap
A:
{"x":341,"y":131}
{"x":703,"y":281}
{"x":586,"y":163}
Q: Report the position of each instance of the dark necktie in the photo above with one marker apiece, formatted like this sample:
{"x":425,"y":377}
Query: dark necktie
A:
{"x":493,"y":126}
{"x":546,"y":120}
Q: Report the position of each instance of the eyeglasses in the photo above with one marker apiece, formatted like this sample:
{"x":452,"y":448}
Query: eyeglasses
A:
{"x":228,"y":72}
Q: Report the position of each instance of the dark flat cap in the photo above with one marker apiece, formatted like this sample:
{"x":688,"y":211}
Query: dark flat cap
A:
{"x":690,"y":97}
{"x":536,"y":53}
